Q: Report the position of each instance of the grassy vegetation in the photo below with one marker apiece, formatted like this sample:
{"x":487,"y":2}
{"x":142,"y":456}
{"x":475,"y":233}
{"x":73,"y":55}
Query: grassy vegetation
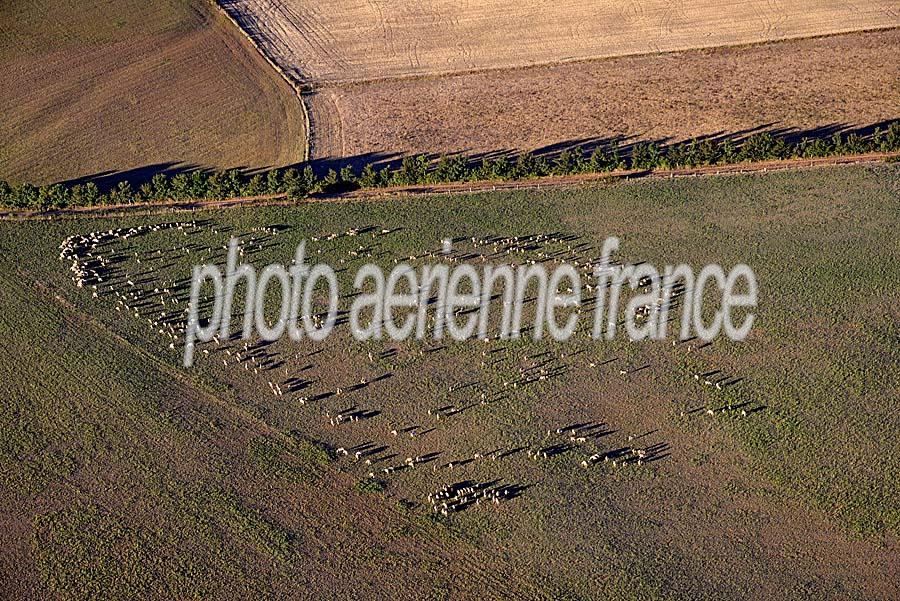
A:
{"x":818,"y":462}
{"x":824,"y":359}
{"x":124,"y":480}
{"x":370,"y":485}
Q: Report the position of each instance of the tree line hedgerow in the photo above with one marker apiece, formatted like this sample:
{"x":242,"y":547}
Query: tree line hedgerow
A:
{"x":416,"y":170}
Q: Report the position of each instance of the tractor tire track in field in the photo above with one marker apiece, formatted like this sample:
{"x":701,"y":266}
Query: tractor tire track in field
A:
{"x":327,"y":140}
{"x":336,"y":42}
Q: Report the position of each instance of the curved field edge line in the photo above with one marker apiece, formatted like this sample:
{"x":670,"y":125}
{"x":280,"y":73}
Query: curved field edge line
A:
{"x":296,"y":86}
{"x":475,"y":187}
{"x":329,"y":141}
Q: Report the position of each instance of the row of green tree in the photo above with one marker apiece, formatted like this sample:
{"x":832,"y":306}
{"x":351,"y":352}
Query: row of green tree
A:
{"x":418,"y":170}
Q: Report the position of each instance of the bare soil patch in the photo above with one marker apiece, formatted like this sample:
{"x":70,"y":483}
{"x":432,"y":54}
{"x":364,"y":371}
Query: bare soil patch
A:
{"x":813,"y":85}
{"x":341,"y":41}
{"x":136,"y":85}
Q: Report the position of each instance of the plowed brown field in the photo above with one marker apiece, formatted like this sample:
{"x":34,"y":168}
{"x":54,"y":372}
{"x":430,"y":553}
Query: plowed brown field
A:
{"x":807,"y":85}
{"x":87,"y":88}
{"x":358,"y":40}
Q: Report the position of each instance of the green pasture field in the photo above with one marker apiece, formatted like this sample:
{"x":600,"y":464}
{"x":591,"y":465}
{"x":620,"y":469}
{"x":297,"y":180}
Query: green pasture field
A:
{"x":792,"y":492}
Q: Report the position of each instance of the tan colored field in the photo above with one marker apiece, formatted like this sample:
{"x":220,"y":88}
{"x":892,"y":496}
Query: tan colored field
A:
{"x":87,"y":88}
{"x":848,"y":80}
{"x":359,"y":40}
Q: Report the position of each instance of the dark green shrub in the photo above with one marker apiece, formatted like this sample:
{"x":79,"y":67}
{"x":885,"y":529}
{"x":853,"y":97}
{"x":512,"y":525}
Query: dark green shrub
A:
{"x":451,"y":169}
{"x":813,"y":148}
{"x":160,"y":185}
{"x":233,"y":184}
{"x":413,"y":170}
{"x":370,"y":178}
{"x":27,"y":196}
{"x":300,"y":184}
{"x":55,"y":196}
{"x":645,"y":156}
{"x":728,"y":152}
{"x":273,"y":182}
{"x":494,"y":169}
{"x":604,"y":159}
{"x":856,"y":144}
{"x":197,"y":184}
{"x":7,"y":196}
{"x":255,"y":186}
{"x":528,"y":166}
{"x":891,"y":142}
{"x":91,"y":194}
{"x":565,"y":163}
{"x":180,"y":187}
{"x":215,"y":187}
{"x":763,"y":147}
{"x":122,"y":194}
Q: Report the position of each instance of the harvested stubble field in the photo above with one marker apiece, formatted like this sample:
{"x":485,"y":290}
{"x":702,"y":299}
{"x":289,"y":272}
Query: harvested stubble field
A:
{"x":809,"y":85}
{"x":93,"y":87}
{"x":341,"y":41}
{"x":796,"y":499}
